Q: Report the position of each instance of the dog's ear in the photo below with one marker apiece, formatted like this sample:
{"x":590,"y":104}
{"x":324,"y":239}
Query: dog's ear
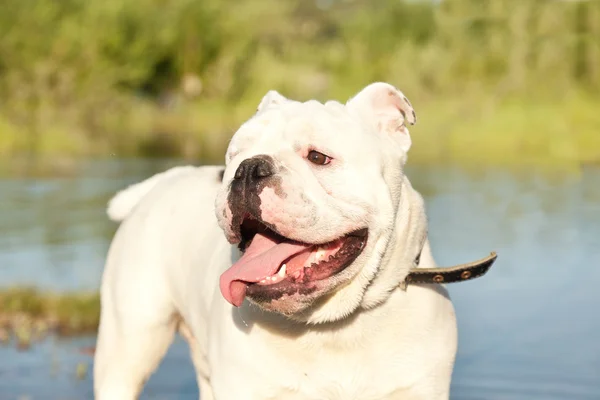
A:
{"x":272,"y":98}
{"x":387,"y":108}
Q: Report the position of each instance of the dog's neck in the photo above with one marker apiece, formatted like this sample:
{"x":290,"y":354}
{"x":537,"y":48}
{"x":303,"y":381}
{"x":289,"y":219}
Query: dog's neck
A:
{"x":407,"y":241}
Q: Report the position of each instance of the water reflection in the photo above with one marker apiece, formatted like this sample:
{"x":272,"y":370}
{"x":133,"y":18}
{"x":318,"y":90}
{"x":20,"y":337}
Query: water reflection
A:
{"x":54,"y":230}
{"x":528,"y":330}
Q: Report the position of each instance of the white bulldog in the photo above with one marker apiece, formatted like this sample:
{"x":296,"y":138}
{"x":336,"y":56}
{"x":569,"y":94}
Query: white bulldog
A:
{"x":321,"y":231}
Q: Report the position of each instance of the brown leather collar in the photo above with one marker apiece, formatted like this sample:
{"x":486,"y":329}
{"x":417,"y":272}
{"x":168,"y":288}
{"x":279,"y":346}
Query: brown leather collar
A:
{"x":457,"y":273}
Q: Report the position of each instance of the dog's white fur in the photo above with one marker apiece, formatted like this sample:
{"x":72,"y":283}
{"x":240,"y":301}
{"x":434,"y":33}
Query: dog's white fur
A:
{"x":364,"y":339}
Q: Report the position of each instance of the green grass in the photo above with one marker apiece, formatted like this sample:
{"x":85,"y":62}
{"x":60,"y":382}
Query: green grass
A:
{"x":465,"y":131}
{"x":495,"y":82}
{"x":510,"y":133}
{"x":25,"y":311}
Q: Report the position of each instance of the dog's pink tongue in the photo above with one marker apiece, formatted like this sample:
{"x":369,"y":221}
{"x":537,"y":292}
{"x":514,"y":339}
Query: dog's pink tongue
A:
{"x":262,"y":258}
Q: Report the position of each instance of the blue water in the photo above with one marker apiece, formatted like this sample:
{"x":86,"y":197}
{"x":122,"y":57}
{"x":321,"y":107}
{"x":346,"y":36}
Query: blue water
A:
{"x":529,"y":329}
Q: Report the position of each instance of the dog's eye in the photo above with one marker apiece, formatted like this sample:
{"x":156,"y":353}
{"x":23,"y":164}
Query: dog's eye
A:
{"x":318,"y":158}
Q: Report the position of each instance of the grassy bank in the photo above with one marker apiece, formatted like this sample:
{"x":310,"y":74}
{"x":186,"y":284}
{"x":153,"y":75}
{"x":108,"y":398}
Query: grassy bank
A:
{"x":495,"y":82}
{"x":475,"y":130}
{"x":27,"y":315}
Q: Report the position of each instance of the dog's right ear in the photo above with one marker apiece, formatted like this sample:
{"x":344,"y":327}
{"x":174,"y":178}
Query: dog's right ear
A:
{"x":387,"y":109}
{"x":272,"y":98}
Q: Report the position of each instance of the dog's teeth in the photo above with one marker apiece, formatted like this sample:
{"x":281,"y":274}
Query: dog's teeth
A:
{"x":281,"y":272}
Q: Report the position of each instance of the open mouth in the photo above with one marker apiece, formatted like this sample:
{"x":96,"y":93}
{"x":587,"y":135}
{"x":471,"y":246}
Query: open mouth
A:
{"x":272,"y":265}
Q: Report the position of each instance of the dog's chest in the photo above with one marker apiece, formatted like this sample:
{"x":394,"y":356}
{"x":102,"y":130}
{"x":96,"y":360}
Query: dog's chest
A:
{"x":367,"y":371}
{"x":375,"y":357}
{"x":342,"y":378}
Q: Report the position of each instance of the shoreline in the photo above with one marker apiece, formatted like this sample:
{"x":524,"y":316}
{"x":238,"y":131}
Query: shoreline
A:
{"x":29,"y":315}
{"x":475,"y":130}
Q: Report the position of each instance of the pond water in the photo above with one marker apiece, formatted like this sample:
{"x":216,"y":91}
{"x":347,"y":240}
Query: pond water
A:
{"x":530,"y":329}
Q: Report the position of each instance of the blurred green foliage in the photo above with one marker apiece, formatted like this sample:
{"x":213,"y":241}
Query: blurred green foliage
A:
{"x":25,"y":308}
{"x":500,"y":81}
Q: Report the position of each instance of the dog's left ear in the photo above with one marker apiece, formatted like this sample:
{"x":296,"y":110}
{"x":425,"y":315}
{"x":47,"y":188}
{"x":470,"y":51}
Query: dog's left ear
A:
{"x":272,"y":98}
{"x":388,"y":109}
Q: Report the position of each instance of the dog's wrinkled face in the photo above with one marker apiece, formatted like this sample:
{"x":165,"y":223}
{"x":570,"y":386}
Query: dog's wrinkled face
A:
{"x":309,"y":195}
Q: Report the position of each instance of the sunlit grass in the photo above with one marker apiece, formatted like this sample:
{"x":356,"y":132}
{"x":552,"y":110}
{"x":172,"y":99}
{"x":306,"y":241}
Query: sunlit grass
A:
{"x":467,"y":131}
{"x":495,"y":82}
{"x":27,"y":314}
{"x":512,"y":132}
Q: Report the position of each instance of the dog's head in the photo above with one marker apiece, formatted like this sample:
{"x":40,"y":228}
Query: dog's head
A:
{"x":310,"y":195}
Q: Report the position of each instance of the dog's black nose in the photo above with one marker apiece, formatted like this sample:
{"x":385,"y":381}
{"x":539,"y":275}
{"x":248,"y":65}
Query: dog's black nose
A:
{"x":255,"y":168}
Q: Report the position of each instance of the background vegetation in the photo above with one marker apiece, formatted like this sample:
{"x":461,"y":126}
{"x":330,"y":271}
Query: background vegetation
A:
{"x":493,"y":81}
